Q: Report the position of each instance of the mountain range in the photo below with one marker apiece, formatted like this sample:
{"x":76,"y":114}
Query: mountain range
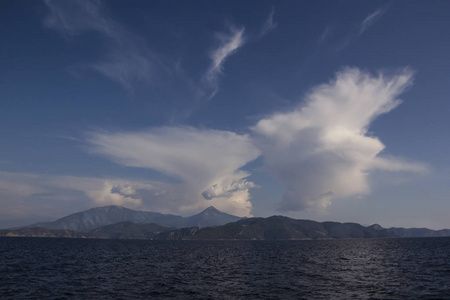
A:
{"x":116,"y":222}
{"x":279,"y":228}
{"x":101,"y":216}
{"x":284,"y":228}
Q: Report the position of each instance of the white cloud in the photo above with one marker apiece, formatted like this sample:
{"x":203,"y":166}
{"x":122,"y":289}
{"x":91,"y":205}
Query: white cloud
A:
{"x":220,"y":191}
{"x":322,"y":150}
{"x":228,"y":44}
{"x":197,"y":158}
{"x":98,"y":190}
{"x":41,"y":197}
{"x":128,"y":59}
{"x":105,"y":193}
{"x":125,"y":190}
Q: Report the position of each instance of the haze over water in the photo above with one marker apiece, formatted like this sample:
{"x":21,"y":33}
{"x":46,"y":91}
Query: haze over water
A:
{"x":38,"y":268}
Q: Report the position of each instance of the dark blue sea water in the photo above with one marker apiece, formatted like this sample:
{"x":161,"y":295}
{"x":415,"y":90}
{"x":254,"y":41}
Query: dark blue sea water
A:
{"x":45,"y":268}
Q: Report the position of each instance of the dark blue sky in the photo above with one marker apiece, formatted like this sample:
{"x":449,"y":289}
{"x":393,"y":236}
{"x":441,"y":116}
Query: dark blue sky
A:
{"x":255,"y":107}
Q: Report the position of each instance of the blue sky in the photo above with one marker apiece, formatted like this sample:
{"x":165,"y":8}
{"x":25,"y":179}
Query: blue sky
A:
{"x":324,"y":110}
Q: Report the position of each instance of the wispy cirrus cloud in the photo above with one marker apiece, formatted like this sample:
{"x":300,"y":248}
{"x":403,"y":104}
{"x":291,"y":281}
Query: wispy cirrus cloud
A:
{"x":128,"y":60}
{"x":356,"y":32}
{"x":75,"y":17}
{"x":269,"y":25}
{"x":324,"y":36}
{"x":371,"y":20}
{"x":228,"y":43}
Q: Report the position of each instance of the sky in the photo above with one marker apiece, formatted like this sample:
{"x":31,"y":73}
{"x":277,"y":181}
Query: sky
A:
{"x":321,"y":110}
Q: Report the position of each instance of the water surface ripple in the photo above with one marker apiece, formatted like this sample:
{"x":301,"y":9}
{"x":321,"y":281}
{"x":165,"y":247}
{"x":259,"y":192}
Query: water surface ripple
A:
{"x":45,"y":268}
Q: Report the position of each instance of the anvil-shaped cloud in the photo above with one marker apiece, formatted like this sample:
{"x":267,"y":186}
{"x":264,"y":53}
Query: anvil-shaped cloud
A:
{"x":322,"y":149}
{"x":201,"y":161}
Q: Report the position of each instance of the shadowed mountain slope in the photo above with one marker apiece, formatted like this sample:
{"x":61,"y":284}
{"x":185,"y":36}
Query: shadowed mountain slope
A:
{"x":272,"y":228}
{"x":419,"y":232}
{"x":44,"y":232}
{"x":128,"y":230}
{"x":101,"y":216}
{"x":210,"y":217}
{"x":277,"y":228}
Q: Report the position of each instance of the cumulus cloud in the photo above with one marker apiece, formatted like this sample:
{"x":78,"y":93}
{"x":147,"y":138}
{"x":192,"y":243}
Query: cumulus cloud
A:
{"x":125,"y":190}
{"x":220,"y":191}
{"x":322,"y":150}
{"x":229,"y":43}
{"x":128,"y":59}
{"x":197,"y":159}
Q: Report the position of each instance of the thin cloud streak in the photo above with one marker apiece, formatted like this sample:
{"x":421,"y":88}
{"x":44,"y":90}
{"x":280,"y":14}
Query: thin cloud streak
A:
{"x":354,"y":34}
{"x":229,"y":43}
{"x":371,"y":20}
{"x":74,"y":17}
{"x":269,"y":25}
{"x":324,"y":36}
{"x":128,"y":59}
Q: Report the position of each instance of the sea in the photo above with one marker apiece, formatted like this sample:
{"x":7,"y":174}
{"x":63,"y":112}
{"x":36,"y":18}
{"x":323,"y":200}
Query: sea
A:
{"x":52,"y":268}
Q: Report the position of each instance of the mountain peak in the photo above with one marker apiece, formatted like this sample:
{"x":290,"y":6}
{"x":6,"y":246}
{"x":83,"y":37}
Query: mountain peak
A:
{"x":211,"y":209}
{"x":376,"y":227}
{"x":211,"y":217}
{"x":106,"y":208}
{"x":110,"y":207}
{"x":112,"y":214}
